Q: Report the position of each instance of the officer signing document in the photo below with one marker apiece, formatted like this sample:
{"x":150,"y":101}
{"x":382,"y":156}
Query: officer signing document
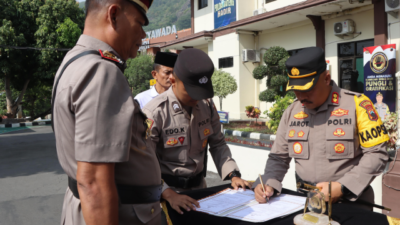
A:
{"x":113,"y":175}
{"x":332,"y":134}
{"x":183,"y":123}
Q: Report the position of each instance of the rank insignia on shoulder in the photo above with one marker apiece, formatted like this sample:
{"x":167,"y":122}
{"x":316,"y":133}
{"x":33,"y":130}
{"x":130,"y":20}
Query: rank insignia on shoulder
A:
{"x":172,"y":142}
{"x":292,"y":133}
{"x":149,"y":123}
{"x":204,"y":143}
{"x":108,"y":55}
{"x":301,"y":115}
{"x":301,"y":134}
{"x":297,"y":148}
{"x":339,"y":148}
{"x":176,"y":107}
{"x":206,"y":132}
{"x":339,"y":132}
{"x":369,"y":107}
{"x":335,"y":97}
{"x":340,"y":112}
{"x":181,"y":140}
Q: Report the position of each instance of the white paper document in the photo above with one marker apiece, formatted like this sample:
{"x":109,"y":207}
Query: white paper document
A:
{"x":241,"y":205}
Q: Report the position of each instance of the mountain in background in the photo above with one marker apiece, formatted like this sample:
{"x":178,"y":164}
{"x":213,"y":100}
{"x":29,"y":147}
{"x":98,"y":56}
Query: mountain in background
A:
{"x":164,"y":13}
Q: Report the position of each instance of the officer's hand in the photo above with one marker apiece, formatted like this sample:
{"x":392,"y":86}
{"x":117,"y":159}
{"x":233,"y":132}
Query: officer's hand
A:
{"x":178,"y":201}
{"x":336,"y":190}
{"x":260,"y":195}
{"x":239,"y":182}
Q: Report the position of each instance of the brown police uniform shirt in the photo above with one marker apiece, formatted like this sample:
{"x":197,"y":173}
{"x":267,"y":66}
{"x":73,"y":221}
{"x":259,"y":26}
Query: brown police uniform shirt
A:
{"x":344,"y":141}
{"x":97,"y":120}
{"x":181,"y":139}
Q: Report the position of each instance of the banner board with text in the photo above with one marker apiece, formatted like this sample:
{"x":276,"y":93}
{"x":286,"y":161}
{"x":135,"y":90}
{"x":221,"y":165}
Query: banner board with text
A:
{"x":379,"y":77}
{"x":224,"y":12}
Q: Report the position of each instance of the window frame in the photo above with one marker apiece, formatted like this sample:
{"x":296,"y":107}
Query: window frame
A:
{"x":225,"y":58}
{"x":200,"y":4}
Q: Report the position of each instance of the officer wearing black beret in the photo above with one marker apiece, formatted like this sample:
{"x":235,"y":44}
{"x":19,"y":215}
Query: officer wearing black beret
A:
{"x":332,"y":134}
{"x":163,"y":67}
{"x":184,"y":122}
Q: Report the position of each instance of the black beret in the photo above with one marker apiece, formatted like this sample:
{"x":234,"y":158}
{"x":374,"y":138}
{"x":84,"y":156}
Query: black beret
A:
{"x":166,"y":59}
{"x":304,"y":68}
{"x":195,"y":68}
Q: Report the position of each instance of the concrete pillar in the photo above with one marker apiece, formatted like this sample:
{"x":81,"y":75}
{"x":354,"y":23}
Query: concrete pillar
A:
{"x":380,"y":23}
{"x":319,"y":25}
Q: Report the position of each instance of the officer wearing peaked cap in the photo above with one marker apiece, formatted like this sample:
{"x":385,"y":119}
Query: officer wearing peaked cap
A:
{"x":381,"y":108}
{"x":184,"y":122}
{"x":113,"y":175}
{"x":332,"y":134}
{"x":163,"y":67}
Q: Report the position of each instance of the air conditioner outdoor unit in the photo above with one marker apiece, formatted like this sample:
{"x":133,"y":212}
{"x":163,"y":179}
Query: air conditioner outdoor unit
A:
{"x":392,"y":7}
{"x":250,"y":55}
{"x":344,"y":28}
{"x":259,"y":11}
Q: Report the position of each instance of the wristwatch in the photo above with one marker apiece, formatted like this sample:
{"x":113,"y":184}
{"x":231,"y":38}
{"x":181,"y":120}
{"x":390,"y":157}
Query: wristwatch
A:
{"x":345,"y":191}
{"x":234,"y":174}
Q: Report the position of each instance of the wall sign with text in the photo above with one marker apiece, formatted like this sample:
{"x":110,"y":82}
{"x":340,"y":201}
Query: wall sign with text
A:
{"x":224,"y":12}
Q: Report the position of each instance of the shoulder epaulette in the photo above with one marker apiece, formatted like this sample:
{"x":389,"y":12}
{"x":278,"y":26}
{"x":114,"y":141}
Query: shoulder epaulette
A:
{"x":353,"y":93}
{"x":109,"y":56}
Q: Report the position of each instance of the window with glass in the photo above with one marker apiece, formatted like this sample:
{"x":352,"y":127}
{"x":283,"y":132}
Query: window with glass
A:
{"x":203,"y":4}
{"x":351,"y":59}
{"x":225,"y":62}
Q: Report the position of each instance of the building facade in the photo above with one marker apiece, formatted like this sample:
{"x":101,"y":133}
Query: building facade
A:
{"x":224,"y":28}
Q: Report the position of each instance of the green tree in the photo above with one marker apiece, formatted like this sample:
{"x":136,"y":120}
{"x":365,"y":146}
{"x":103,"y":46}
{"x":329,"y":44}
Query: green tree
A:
{"x":223,"y":84}
{"x":34,"y":23}
{"x":275,"y":71}
{"x":138,"y":73}
{"x":276,"y":111}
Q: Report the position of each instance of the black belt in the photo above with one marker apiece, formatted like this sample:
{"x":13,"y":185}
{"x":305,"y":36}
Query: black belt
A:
{"x":128,"y":194}
{"x":183,"y":182}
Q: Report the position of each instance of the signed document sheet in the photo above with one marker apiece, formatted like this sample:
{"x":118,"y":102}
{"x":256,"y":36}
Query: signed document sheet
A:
{"x":241,"y":205}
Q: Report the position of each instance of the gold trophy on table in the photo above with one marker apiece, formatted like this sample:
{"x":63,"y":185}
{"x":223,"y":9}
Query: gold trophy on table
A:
{"x":315,"y":202}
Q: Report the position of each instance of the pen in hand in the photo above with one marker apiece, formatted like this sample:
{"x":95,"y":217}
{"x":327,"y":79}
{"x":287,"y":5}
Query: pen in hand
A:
{"x":262,"y":185}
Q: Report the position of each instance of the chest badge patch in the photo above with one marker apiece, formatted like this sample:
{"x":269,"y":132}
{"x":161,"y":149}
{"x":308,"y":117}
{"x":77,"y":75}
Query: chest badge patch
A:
{"x":339,"y":148}
{"x":206,"y":132}
{"x":172,"y":142}
{"x":335,"y":98}
{"x":292,"y":133}
{"x":181,"y":140}
{"x":204,"y":143}
{"x":176,"y":107}
{"x":297,"y":148}
{"x":339,"y":132}
{"x":340,"y":112}
{"x":300,"y":134}
{"x":301,"y":115}
{"x":367,"y":105}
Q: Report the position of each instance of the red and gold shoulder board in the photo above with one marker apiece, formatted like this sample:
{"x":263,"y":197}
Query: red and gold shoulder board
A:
{"x":335,"y":97}
{"x":109,"y":56}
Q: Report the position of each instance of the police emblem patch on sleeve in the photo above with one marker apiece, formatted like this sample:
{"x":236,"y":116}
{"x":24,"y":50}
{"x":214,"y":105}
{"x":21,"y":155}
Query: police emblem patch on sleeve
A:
{"x":371,"y":130}
{"x":301,"y":115}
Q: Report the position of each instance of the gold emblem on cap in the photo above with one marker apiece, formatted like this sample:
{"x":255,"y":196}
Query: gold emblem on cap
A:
{"x":295,"y":71}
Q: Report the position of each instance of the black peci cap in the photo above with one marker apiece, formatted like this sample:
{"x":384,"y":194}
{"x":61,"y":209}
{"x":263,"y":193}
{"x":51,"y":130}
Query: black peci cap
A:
{"x":305,"y":68}
{"x":167,"y":59}
{"x":194,"y":68}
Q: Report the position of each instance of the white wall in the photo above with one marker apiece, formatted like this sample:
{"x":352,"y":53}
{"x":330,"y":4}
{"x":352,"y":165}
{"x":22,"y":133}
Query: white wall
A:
{"x":245,"y":8}
{"x":394,"y":36}
{"x":203,"y":18}
{"x":364,"y":22}
{"x":228,"y":46}
{"x":277,"y":4}
{"x":304,"y":33}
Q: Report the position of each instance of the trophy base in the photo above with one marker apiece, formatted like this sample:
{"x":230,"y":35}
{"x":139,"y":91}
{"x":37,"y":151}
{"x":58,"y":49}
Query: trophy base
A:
{"x":311,"y":218}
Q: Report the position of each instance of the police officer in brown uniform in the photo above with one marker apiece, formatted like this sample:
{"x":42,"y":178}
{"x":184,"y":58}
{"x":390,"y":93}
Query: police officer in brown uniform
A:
{"x":184,"y":122}
{"x":113,"y":175}
{"x":332,"y":134}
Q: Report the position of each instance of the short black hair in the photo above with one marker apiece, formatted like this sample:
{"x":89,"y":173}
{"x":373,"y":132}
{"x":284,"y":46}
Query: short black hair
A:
{"x":156,"y":67}
{"x":93,"y":5}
